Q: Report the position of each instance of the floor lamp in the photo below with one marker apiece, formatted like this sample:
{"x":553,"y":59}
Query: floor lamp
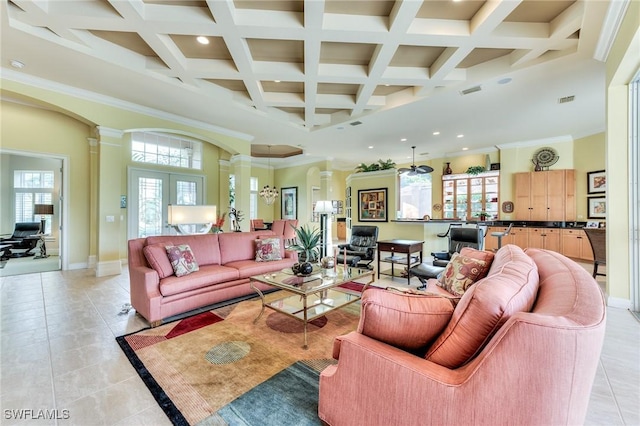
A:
{"x":43,"y":210}
{"x":325,"y":209}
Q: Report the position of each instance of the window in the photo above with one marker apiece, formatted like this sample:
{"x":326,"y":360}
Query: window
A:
{"x":253,"y":196}
{"x":415,"y":196}
{"x":32,"y":187}
{"x":166,"y":150}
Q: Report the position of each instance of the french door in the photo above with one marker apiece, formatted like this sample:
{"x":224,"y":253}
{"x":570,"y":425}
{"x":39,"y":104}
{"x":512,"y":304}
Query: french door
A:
{"x":151,"y":192}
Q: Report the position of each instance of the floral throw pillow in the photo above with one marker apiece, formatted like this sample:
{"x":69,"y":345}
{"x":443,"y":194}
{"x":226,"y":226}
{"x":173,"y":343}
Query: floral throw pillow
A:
{"x":182,"y":259}
{"x":461,"y":272}
{"x":268,"y":249}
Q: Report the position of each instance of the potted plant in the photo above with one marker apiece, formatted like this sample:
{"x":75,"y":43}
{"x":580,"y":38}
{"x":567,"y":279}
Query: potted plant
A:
{"x":307,"y":245}
{"x":475,"y":170}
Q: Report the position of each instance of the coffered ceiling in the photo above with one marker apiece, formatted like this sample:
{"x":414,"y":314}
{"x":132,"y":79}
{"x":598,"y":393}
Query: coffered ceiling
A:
{"x":333,"y":78}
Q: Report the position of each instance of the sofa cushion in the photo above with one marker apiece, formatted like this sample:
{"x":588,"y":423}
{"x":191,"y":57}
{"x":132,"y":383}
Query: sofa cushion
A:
{"x":487,"y":256}
{"x":182,"y":259}
{"x":236,"y":246}
{"x":461,"y":272}
{"x":406,"y":321}
{"x":156,"y":255}
{"x":207,"y":276}
{"x":249,"y":268}
{"x":205,"y":247}
{"x":511,"y":286}
{"x":268,"y":249}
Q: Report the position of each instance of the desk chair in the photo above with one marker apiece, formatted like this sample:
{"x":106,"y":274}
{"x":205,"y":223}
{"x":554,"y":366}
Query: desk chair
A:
{"x":499,"y":235}
{"x":598,"y":240}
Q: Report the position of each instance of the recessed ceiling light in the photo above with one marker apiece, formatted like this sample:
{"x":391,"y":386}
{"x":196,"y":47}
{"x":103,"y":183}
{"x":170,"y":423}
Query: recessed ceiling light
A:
{"x":387,"y":85}
{"x":276,"y":81}
{"x":403,"y":140}
{"x":460,"y":136}
{"x":202,"y":40}
{"x":17,"y":64}
{"x":370,"y":146}
{"x":505,"y":80}
{"x":465,"y":148}
{"x":436,"y":133}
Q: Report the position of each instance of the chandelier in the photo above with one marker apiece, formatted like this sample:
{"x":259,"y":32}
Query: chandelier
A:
{"x":267,"y":193}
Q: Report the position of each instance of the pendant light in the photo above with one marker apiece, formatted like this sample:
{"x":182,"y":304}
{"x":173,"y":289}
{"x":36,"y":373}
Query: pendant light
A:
{"x":267,"y":193}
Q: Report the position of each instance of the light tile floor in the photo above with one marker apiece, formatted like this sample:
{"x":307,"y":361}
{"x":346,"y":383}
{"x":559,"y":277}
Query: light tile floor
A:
{"x":59,"y":355}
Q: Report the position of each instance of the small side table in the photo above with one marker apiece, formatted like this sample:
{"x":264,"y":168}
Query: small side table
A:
{"x":410,"y":254}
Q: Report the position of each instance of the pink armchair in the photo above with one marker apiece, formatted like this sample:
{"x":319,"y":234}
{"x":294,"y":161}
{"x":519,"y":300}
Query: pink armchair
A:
{"x":536,"y":368}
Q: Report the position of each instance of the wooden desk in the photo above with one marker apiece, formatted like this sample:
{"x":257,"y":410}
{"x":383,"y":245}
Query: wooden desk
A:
{"x":405,"y":249}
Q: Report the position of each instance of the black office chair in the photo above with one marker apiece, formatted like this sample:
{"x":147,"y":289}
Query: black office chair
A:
{"x":361,"y":249}
{"x":23,"y":238}
{"x":598,"y":240}
{"x":459,"y":237}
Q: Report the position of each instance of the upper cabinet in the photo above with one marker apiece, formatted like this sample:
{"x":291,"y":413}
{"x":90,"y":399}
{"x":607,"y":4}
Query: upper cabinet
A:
{"x":466,"y":197}
{"x":545,"y":196}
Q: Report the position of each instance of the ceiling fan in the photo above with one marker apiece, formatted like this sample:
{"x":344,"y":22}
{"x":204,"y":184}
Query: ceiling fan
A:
{"x":415,"y":170}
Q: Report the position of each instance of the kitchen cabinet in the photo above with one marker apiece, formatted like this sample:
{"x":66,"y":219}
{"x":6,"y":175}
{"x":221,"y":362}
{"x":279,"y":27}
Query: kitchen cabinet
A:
{"x":545,"y":196}
{"x":575,"y":244}
{"x":545,"y":238}
{"x":465,"y":196}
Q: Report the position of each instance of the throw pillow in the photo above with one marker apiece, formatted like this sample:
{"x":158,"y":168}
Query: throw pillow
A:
{"x":156,"y":255}
{"x":406,"y":321}
{"x":486,"y":306}
{"x":182,"y":259}
{"x":461,"y":272}
{"x":268,"y":249}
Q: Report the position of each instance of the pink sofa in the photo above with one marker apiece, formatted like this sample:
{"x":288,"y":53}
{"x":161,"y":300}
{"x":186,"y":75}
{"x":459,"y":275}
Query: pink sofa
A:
{"x":535,"y":366}
{"x":226,"y":261}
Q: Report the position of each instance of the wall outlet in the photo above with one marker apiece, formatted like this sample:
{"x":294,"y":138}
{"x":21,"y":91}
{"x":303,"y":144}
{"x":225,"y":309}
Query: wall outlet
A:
{"x":111,"y":219}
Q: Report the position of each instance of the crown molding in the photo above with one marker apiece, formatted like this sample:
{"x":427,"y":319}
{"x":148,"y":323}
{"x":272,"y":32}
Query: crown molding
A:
{"x":41,"y":83}
{"x":610,"y":27}
{"x":536,"y":142}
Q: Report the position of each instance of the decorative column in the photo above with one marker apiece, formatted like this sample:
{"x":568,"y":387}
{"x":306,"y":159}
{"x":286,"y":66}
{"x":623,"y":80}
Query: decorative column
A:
{"x":108,"y":218}
{"x":241,"y":164}
{"x":93,"y":200}
{"x":223,"y":190}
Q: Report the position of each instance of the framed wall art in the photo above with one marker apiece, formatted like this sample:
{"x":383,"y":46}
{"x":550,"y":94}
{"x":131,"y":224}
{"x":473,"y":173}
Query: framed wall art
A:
{"x":596,"y":182}
{"x":596,"y":207}
{"x":372,"y":205}
{"x":289,"y":202}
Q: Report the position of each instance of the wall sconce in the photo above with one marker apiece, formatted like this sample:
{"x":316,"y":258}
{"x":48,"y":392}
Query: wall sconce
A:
{"x":325,"y":209}
{"x":181,"y":216}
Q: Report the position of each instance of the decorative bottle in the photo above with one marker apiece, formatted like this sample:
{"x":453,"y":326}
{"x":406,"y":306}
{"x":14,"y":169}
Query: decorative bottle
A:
{"x":447,"y":170}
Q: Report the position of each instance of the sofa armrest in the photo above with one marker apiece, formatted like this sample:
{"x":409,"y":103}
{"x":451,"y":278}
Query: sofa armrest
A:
{"x":291,"y":254}
{"x":407,"y":321}
{"x":144,"y":289}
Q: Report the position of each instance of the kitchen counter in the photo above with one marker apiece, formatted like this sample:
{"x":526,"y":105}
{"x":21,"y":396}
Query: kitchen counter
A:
{"x":516,"y":223}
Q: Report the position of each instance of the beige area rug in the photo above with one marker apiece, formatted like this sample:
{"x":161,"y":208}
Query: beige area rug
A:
{"x":218,"y":367}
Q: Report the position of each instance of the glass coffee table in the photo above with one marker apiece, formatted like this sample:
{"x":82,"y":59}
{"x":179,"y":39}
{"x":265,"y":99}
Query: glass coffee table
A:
{"x":310,"y":297}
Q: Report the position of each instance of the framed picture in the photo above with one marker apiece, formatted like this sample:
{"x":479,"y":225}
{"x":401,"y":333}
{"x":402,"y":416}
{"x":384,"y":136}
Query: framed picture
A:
{"x":592,"y":224}
{"x":289,"y":202}
{"x":596,"y":207}
{"x":596,"y":182}
{"x":372,"y":205}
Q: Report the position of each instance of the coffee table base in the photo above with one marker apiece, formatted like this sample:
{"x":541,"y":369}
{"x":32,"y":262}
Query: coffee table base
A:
{"x":297,"y":305}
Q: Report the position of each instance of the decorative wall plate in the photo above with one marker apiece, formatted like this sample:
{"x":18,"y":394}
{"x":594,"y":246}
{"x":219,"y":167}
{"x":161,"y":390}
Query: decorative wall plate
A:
{"x":437,"y":207}
{"x":545,"y":157}
{"x":507,"y":207}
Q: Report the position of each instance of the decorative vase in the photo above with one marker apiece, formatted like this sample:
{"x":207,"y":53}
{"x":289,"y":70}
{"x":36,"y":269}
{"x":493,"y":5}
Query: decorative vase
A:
{"x":447,"y":170}
{"x":302,"y":268}
{"x":327,"y":262}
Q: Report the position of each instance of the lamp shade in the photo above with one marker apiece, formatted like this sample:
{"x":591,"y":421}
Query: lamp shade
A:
{"x":188,"y":215}
{"x":323,"y":207}
{"x":43,"y":209}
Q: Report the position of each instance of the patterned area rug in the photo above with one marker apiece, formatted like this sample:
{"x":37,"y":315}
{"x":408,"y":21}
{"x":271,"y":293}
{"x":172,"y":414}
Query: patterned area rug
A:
{"x":219,"y":368}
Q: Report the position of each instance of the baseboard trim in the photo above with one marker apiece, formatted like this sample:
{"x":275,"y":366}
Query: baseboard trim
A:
{"x":616,"y":302}
{"x":92,"y":261}
{"x":104,"y":269}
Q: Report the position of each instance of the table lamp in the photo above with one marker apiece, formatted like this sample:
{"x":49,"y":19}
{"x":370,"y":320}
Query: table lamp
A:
{"x":43,"y":210}
{"x":180,"y":216}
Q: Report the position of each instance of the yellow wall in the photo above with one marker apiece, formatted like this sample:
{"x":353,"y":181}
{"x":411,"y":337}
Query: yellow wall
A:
{"x":50,"y":133}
